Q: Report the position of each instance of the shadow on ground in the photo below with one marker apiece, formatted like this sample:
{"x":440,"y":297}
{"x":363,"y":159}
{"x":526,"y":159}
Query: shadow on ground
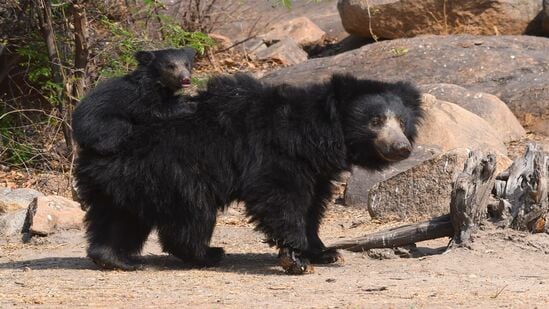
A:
{"x":242,"y":263}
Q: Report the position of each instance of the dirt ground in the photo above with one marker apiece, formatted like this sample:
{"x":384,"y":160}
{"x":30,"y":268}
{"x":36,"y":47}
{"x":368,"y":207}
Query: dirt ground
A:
{"x":504,"y":269}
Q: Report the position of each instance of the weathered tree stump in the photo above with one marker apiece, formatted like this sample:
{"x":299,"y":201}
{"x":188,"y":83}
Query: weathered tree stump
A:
{"x":521,"y":192}
{"x":470,"y":195}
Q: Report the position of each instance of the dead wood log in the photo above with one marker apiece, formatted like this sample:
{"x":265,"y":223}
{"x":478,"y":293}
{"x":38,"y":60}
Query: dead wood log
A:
{"x":521,"y":192}
{"x":400,"y":236}
{"x":470,"y":195}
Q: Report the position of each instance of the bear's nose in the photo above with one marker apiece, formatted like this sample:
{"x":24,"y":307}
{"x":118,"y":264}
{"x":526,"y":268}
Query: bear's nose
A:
{"x":403,"y":149}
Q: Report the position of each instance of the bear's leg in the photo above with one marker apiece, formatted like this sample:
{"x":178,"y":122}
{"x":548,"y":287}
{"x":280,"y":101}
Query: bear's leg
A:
{"x":280,"y":214}
{"x":114,"y":236}
{"x":317,"y":252}
{"x":188,"y":238}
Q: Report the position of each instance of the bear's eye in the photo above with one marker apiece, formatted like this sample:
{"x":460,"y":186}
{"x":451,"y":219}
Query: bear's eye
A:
{"x":171,"y":66}
{"x":377,"y":121}
{"x":402,"y":123}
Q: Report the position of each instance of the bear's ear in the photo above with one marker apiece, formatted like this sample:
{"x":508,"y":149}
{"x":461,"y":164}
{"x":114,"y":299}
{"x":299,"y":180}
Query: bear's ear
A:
{"x":144,"y":57}
{"x":343,"y":86}
{"x":191,"y":52}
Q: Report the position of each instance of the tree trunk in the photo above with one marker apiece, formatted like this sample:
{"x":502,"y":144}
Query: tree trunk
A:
{"x":58,"y":76}
{"x":80,"y":22}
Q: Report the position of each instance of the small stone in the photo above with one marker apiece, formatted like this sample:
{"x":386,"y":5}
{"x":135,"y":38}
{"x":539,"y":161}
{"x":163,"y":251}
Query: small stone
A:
{"x":11,"y":200}
{"x":302,"y":30}
{"x":286,"y":52}
{"x":48,"y":214}
{"x":11,"y":224}
{"x":539,"y":225}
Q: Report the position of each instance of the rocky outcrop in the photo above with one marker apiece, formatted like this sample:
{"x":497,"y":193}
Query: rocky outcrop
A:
{"x":486,"y":106}
{"x":391,"y":19}
{"x":513,"y":68}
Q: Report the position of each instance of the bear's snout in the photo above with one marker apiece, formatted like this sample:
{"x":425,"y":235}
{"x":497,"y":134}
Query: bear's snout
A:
{"x":403,"y":149}
{"x":391,"y":143}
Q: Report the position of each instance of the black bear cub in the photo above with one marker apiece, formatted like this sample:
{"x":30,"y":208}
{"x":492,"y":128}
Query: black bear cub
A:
{"x":275,"y":148}
{"x":106,"y":116}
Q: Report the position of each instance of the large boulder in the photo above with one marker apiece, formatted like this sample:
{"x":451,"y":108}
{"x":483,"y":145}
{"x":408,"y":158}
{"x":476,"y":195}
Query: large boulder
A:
{"x":449,"y":126}
{"x":391,"y":19}
{"x":513,"y":68}
{"x":489,"y":107}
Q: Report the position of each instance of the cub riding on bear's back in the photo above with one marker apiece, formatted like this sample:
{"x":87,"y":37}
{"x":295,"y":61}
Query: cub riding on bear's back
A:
{"x":275,"y":148}
{"x":106,"y":116}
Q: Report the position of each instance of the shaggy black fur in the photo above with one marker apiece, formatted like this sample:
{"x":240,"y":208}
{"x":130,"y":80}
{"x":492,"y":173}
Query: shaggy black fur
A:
{"x":276,"y":148}
{"x":105,"y":117}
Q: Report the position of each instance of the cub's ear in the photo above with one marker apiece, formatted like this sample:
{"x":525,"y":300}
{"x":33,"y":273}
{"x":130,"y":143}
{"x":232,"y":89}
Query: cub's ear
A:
{"x":144,"y":57}
{"x":191,"y":52}
{"x":343,"y":86}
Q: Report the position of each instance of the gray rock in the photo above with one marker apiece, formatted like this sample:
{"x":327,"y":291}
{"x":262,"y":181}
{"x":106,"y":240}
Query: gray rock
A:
{"x":302,"y":30}
{"x":391,"y":19}
{"x":513,"y":68}
{"x":361,"y":181}
{"x":11,"y":200}
{"x":12,"y":223}
{"x":252,"y":46}
{"x":419,"y":193}
{"x":487,"y":106}
{"x":286,"y":52}
{"x":415,"y":189}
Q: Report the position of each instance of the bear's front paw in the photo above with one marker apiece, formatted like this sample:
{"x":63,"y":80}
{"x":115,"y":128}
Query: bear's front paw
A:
{"x":293,"y":263}
{"x":327,"y":256}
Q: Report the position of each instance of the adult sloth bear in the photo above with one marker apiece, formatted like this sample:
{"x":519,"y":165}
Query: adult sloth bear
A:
{"x":275,"y":148}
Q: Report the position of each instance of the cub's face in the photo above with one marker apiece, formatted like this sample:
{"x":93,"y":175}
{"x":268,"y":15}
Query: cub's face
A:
{"x":173,"y":66}
{"x":379,"y":121}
